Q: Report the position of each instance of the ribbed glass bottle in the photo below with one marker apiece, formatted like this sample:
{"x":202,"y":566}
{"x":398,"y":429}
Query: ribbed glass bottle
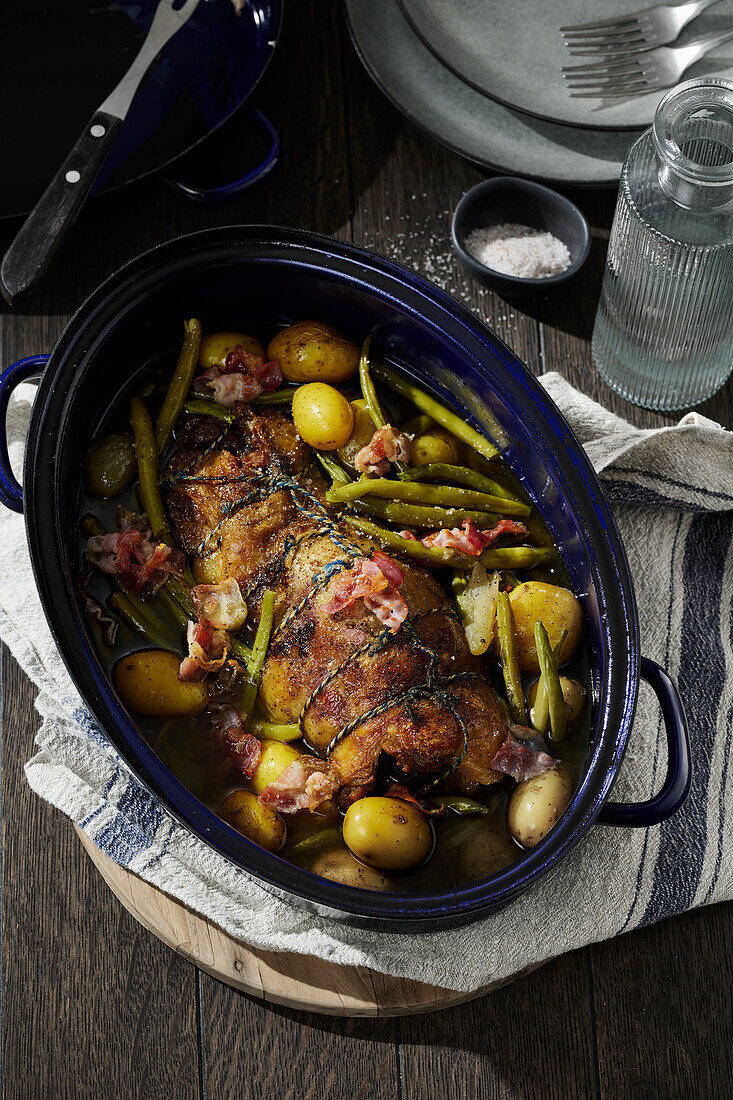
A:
{"x":663,"y":335}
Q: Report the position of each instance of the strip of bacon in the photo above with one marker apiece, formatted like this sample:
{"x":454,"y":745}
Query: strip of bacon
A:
{"x":398,"y":790}
{"x":130,"y":554}
{"x":221,"y":604}
{"x":226,"y":727}
{"x":207,"y":651}
{"x":386,"y":446}
{"x":469,"y":540}
{"x":304,"y":785}
{"x":242,"y":378}
{"x":523,"y":755}
{"x":375,"y":581}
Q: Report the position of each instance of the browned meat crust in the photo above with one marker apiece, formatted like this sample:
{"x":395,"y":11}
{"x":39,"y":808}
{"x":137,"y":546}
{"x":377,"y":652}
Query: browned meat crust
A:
{"x":341,"y":672}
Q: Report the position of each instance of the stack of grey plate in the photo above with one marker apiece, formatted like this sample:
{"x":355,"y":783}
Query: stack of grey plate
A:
{"x":484,"y":77}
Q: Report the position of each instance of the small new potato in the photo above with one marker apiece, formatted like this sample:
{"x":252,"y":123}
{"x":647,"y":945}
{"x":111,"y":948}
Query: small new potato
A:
{"x":275,"y":757}
{"x":259,"y":823}
{"x":387,"y":833}
{"x":339,"y":865}
{"x":215,"y":348}
{"x":536,"y":804}
{"x":361,"y":433}
{"x":311,"y":351}
{"x":555,"y":608}
{"x":322,"y":415}
{"x":109,"y":465}
{"x":437,"y":445}
{"x":147,"y":683}
{"x":573,"y":693}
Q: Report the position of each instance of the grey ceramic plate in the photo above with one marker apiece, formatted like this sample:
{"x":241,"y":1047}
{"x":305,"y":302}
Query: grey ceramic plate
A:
{"x":512,"y":50}
{"x":468,"y":122}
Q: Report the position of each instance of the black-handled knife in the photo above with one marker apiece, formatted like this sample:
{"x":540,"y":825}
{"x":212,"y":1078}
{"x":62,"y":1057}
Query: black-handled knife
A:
{"x":58,"y":207}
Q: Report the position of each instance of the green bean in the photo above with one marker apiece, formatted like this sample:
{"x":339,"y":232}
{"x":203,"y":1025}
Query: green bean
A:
{"x":368,"y":391}
{"x":540,"y":711}
{"x":198,"y":406}
{"x":275,"y":397}
{"x":415,"y":515}
{"x":147,"y":469}
{"x":259,"y":651}
{"x":458,"y":584}
{"x":91,"y":526}
{"x":174,"y":609}
{"x":137,"y":614}
{"x":460,"y":804}
{"x":180,"y":384}
{"x":509,"y":662}
{"x":337,"y":473}
{"x":411,"y":548}
{"x":181,"y":593}
{"x":462,"y":475}
{"x":439,"y":413}
{"x":273,"y":731}
{"x":309,"y":845}
{"x":555,"y":699}
{"x":445,"y":496}
{"x":416,"y":425}
{"x":516,"y":557}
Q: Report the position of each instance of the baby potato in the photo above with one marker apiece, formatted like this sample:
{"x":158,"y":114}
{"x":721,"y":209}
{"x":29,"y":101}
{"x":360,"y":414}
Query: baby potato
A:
{"x":209,"y":570}
{"x":573,"y":693}
{"x":437,"y":445}
{"x":555,"y":607}
{"x":361,"y":433}
{"x":387,"y":833}
{"x":215,"y":348}
{"x":322,"y":415}
{"x":311,"y":351}
{"x":536,"y":804}
{"x":339,"y":865}
{"x":275,"y":757}
{"x":147,"y":683}
{"x":259,"y":823}
{"x":109,"y":465}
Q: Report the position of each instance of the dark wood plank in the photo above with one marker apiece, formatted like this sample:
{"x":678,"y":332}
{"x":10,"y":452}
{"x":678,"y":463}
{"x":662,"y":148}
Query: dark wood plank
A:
{"x":663,"y":1008}
{"x":93,"y":1004}
{"x":532,"y":1039}
{"x":263,"y":1052}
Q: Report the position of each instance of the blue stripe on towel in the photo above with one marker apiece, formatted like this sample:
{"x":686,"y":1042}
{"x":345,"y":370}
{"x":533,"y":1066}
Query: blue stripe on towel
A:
{"x":645,"y":845}
{"x":696,"y":490}
{"x":683,"y":837}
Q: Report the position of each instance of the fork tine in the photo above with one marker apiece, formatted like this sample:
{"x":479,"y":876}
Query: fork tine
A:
{"x":607,"y":40}
{"x":602,"y":24}
{"x":614,"y":91}
{"x":620,"y":65}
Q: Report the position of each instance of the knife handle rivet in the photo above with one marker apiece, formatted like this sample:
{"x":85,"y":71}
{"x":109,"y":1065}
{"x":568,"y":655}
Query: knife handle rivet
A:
{"x":97,"y":130}
{"x":72,"y":176}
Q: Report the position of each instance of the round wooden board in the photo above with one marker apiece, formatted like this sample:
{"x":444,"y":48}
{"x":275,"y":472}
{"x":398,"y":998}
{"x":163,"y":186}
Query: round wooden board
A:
{"x":296,"y":981}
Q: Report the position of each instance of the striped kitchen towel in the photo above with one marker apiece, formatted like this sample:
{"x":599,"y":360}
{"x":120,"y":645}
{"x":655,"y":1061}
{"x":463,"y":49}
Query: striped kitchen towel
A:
{"x":672,"y":493}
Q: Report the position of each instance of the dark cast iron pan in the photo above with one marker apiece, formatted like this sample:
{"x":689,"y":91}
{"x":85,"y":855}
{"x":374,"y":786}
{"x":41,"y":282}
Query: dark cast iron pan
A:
{"x":263,"y":276}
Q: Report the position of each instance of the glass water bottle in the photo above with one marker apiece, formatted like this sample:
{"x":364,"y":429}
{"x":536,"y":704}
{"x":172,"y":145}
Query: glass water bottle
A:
{"x":663,"y":335}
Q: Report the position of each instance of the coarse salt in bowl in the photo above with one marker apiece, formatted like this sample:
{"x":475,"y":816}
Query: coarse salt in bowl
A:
{"x":518,"y":237}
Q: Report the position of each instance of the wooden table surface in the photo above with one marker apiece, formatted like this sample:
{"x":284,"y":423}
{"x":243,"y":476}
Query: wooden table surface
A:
{"x":93,"y":1005}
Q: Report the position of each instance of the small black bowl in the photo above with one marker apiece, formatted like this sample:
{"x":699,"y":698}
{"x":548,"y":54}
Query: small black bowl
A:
{"x":509,"y":199}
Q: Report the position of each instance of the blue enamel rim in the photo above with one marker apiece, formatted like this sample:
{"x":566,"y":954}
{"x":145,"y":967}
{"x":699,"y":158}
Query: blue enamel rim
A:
{"x":393,"y":289}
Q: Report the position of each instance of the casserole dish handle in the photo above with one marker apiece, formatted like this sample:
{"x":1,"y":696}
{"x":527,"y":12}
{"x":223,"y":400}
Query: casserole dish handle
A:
{"x":214,"y":196}
{"x":11,"y":494}
{"x":676,"y":786}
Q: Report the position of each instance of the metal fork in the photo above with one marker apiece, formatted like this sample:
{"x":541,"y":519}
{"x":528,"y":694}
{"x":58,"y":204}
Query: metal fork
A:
{"x":639,"y":30}
{"x":644,"y":72}
{"x":58,"y":207}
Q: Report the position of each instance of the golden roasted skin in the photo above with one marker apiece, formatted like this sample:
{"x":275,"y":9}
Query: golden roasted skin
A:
{"x":331,"y":670}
